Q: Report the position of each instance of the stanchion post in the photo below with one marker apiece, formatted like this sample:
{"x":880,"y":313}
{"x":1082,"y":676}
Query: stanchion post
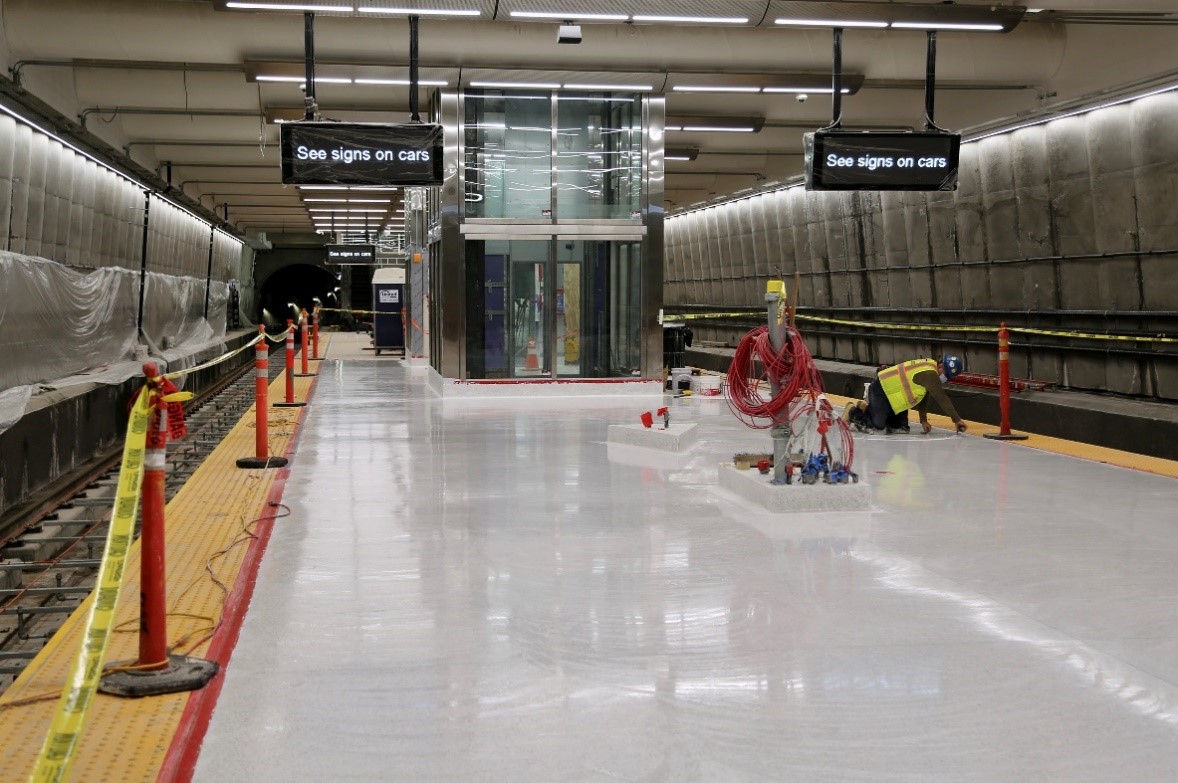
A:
{"x":1004,"y":432}
{"x":290,"y":373}
{"x":153,"y":623}
{"x":289,"y":361}
{"x":304,"y":337}
{"x":315,"y":333}
{"x":261,"y":458}
{"x":156,"y":672}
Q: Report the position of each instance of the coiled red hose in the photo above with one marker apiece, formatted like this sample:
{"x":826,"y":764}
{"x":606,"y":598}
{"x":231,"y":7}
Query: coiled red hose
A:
{"x":756,"y":364}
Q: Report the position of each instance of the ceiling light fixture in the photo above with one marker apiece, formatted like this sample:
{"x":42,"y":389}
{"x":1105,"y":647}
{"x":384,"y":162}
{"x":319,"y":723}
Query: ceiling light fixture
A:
{"x":610,"y":87}
{"x":289,"y":7}
{"x":421,"y":11}
{"x":829,"y":23}
{"x":691,"y":19}
{"x":563,"y":15}
{"x":518,"y":85}
{"x":405,"y":82}
{"x":713,"y":88}
{"x":945,"y":26}
{"x":816,"y":90}
{"x":716,"y":129}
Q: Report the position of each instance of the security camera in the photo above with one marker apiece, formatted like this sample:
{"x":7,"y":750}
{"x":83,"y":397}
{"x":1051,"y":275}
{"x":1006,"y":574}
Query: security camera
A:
{"x":568,"y":33}
{"x":802,"y":97}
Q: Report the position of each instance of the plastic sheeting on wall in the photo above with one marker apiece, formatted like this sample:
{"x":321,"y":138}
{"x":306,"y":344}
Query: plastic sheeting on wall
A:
{"x":61,"y":327}
{"x":55,"y":321}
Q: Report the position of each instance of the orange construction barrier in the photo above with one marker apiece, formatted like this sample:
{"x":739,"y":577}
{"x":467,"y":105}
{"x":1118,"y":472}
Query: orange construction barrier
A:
{"x":303,"y":337}
{"x":315,"y":333}
{"x":261,"y":458}
{"x":156,"y":671}
{"x":1004,"y":432}
{"x":290,"y":373}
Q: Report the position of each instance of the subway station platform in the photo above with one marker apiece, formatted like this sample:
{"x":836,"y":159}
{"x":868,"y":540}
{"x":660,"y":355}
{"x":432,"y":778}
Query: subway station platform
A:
{"x":462,"y":590}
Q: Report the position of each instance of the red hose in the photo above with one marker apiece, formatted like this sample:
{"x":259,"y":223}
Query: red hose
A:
{"x":756,"y":364}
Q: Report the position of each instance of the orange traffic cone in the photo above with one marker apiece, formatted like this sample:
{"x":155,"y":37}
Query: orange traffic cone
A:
{"x":533,"y":361}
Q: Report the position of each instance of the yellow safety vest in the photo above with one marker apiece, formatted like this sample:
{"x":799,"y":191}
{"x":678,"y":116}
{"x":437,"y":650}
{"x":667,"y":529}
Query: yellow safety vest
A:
{"x":902,"y":393}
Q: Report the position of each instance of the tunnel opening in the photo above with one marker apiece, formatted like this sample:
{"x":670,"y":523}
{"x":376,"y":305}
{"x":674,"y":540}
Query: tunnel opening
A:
{"x":293,"y":288}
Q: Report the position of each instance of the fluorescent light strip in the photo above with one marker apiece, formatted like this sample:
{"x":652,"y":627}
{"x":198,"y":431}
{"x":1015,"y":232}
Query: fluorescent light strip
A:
{"x":813,"y":90}
{"x":675,"y":157}
{"x":519,"y":85}
{"x":285,"y":7}
{"x":348,"y":200}
{"x":420,"y":82}
{"x":421,"y":11}
{"x":714,"y":88}
{"x":347,"y":187}
{"x":702,"y":19}
{"x":829,"y":23}
{"x":571,"y":15}
{"x":610,"y":87}
{"x":713,"y":129}
{"x":945,"y":26}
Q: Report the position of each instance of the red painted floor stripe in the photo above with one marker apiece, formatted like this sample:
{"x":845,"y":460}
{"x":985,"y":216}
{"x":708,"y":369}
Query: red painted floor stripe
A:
{"x":180,"y":762}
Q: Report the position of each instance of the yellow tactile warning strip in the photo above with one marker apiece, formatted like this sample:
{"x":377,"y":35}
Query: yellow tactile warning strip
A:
{"x":1071,"y":448}
{"x":1123,"y":459}
{"x":209,"y":524}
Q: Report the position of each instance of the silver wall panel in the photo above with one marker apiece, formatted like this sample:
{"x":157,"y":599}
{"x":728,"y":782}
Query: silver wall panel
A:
{"x":7,"y":145}
{"x":21,"y":165}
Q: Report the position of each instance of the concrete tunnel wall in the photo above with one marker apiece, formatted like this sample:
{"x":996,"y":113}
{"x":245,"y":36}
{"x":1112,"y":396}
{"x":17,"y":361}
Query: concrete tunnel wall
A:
{"x":1102,"y":185}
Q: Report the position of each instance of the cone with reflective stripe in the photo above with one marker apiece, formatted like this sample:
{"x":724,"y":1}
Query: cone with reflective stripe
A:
{"x":156,"y":671}
{"x":261,"y":458}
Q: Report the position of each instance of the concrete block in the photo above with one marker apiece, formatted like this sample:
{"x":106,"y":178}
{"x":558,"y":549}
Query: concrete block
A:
{"x":676,"y":438}
{"x":752,"y":486}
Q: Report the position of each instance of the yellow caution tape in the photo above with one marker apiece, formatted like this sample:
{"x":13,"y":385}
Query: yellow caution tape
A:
{"x":178,"y":397}
{"x":57,"y":754}
{"x":907,"y":327}
{"x":281,"y":336}
{"x":344,"y":310}
{"x":212,"y":362}
{"x":1161,"y":338}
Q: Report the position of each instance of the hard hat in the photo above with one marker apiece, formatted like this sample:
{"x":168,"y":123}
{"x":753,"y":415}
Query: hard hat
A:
{"x":951,"y":366}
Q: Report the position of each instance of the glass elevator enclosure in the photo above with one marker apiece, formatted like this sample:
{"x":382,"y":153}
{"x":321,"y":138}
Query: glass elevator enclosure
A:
{"x":545,"y":255}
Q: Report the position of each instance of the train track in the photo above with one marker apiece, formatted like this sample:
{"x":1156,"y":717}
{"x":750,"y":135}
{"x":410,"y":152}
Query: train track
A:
{"x":50,"y":553}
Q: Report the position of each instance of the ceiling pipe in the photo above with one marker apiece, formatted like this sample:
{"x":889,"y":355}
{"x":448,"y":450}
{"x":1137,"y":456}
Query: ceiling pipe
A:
{"x":930,"y":83}
{"x":309,"y":57}
{"x":413,"y":63}
{"x":836,"y":103}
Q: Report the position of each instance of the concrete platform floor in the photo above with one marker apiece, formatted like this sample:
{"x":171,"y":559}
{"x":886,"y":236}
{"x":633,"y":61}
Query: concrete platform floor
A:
{"x":479,"y":594}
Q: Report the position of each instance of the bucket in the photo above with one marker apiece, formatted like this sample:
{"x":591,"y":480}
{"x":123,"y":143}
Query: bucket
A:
{"x":709,"y":385}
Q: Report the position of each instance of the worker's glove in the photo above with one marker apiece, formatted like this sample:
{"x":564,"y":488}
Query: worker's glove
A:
{"x":926,"y":427}
{"x":960,"y":426}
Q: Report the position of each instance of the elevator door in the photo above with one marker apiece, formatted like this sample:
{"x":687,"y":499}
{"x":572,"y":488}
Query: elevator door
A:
{"x":554,"y":308}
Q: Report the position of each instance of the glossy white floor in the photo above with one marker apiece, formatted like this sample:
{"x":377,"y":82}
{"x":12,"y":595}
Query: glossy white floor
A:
{"x":485,"y":592}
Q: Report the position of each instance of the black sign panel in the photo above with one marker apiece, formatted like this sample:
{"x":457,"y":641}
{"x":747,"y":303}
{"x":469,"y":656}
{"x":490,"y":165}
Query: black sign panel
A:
{"x":351,"y":254}
{"x":340,"y":153}
{"x":858,"y":160}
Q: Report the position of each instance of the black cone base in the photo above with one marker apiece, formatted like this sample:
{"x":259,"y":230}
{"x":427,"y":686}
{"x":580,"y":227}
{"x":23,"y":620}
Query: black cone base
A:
{"x":269,"y":462}
{"x":182,"y":674}
{"x":1007,"y":436}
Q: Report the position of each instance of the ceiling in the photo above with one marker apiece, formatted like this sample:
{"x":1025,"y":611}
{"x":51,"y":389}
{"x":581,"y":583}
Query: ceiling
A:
{"x":179,"y":88}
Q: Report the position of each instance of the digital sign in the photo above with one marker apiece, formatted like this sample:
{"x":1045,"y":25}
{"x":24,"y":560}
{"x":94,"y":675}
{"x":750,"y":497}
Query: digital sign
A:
{"x":870,"y":160}
{"x":351,"y":254}
{"x":341,"y":153}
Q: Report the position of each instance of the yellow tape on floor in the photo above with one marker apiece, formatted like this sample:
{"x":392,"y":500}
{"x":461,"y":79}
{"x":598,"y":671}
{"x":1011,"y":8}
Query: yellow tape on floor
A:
{"x":57,"y":752}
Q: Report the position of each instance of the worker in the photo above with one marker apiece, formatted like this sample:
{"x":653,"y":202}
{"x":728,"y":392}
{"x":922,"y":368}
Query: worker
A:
{"x":901,"y":388}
